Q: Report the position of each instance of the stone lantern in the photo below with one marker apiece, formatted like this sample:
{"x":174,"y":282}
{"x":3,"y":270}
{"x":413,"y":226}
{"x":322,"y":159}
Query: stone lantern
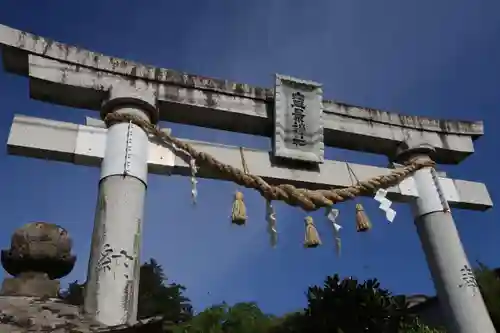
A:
{"x":39,"y":255}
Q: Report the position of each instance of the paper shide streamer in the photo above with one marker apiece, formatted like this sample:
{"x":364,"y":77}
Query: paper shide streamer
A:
{"x":194,"y":181}
{"x":194,"y":169}
{"x":271,"y":224}
{"x":332,"y":215}
{"x":385,"y":204}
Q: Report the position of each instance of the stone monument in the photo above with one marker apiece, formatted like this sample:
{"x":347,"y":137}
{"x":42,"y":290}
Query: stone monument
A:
{"x":39,"y":255}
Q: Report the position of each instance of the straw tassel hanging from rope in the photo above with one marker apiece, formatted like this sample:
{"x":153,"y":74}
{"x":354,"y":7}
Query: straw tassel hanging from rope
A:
{"x":312,"y":237}
{"x":362,"y":221}
{"x":239,"y":211}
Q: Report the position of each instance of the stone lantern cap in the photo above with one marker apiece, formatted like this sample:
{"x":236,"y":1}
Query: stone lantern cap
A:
{"x":39,"y":254}
{"x":39,"y":247}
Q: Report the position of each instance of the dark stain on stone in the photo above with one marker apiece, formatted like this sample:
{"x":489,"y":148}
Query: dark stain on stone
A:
{"x":443,"y":125}
{"x":189,"y":81}
{"x":21,"y":41}
{"x":133,"y":72}
{"x":190,"y":97}
{"x":209,"y":99}
{"x":114,"y":62}
{"x":260,"y":92}
{"x":172,"y":93}
{"x":403,"y":121}
{"x":219,"y":84}
{"x":131,"y":80}
{"x":127,"y":297}
{"x":66,"y":50}
{"x":64,"y":76}
{"x":444,"y":140}
{"x":157,"y":74}
{"x":48,"y":45}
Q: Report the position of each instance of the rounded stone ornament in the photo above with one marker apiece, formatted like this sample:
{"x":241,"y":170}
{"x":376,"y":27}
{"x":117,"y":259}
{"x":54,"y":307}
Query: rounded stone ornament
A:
{"x":39,"y":247}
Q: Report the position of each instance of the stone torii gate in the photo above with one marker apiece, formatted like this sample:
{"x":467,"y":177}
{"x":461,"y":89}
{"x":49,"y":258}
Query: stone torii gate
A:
{"x":67,"y":75}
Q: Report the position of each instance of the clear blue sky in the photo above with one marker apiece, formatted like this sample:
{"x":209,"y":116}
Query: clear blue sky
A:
{"x":432,"y":58}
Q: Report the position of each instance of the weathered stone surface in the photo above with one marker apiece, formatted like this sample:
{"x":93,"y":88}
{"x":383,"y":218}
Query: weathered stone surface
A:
{"x":33,"y":314}
{"x":24,"y":314}
{"x":31,"y":284}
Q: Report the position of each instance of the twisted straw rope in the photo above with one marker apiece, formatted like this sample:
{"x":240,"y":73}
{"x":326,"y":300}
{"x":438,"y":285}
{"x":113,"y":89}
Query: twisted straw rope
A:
{"x":309,"y":200}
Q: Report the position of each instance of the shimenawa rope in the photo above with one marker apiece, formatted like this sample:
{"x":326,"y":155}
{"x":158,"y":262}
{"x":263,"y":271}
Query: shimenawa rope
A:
{"x":309,"y":200}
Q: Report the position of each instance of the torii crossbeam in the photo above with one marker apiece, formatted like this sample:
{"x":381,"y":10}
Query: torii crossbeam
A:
{"x":67,"y":75}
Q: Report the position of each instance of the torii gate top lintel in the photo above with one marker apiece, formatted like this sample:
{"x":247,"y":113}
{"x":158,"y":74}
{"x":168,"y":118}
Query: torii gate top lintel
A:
{"x":198,"y":101}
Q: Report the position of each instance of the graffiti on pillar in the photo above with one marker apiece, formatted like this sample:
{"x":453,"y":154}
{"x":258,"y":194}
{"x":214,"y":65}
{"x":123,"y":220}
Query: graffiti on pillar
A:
{"x":109,"y":255}
{"x":104,"y":262}
{"x":125,"y":259}
{"x":137,"y":245}
{"x":468,"y":279}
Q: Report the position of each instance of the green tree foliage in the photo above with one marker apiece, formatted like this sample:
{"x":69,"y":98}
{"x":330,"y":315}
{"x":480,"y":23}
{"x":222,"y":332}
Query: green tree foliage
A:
{"x":417,"y":327}
{"x":239,"y":318}
{"x":289,"y":323}
{"x":74,"y":293}
{"x":348,"y":306}
{"x":339,"y":306}
{"x":156,"y":297}
{"x":489,"y":284}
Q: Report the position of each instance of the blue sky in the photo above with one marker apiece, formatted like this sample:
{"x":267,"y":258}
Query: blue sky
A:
{"x":432,"y":58}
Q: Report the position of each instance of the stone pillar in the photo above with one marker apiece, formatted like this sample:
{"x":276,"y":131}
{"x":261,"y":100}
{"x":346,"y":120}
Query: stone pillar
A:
{"x":459,"y":297}
{"x":111,"y":292}
{"x":39,"y":255}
